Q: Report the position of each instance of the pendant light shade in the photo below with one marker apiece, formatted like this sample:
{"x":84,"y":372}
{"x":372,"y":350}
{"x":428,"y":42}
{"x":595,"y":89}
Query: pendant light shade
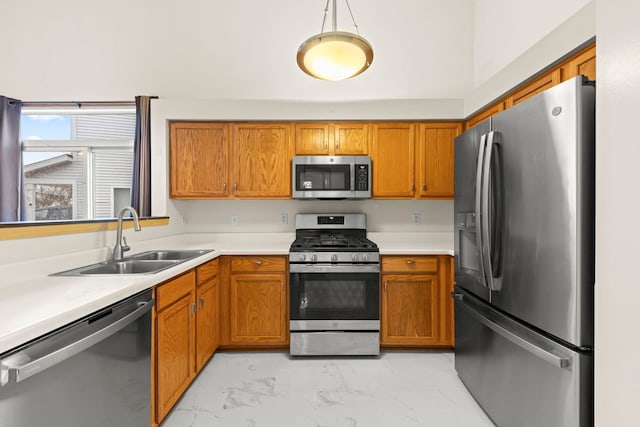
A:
{"x":335,"y":55}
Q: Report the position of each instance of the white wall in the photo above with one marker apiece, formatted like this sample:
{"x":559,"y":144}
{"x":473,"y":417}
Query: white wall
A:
{"x":504,"y":29}
{"x":221,"y":49}
{"x":617,"y":343}
{"x":265,"y":216}
{"x":511,"y":66}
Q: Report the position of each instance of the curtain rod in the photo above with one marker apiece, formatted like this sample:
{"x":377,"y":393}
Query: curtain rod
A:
{"x":80,"y":104}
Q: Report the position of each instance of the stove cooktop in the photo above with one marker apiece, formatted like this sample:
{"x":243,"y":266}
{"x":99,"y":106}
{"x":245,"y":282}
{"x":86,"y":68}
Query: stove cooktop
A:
{"x":318,"y":242}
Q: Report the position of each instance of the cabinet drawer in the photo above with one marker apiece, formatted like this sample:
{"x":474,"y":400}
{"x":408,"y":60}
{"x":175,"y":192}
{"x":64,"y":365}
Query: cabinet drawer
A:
{"x":171,"y":291}
{"x":410,"y":264}
{"x":206,"y":271}
{"x":258,"y":263}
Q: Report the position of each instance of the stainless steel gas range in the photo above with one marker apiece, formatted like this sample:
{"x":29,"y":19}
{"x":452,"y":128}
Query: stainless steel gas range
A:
{"x":334,"y":287}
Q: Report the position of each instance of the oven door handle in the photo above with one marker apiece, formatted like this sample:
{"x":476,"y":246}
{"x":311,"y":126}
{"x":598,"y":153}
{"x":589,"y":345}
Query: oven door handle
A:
{"x":334,"y":268}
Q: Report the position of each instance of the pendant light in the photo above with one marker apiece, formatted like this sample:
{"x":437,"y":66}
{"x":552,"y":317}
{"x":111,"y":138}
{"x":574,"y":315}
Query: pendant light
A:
{"x":335,"y":55}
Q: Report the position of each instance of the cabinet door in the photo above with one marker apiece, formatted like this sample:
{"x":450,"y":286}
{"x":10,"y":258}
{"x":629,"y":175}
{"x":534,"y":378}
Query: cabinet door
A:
{"x":258,"y":309}
{"x":312,"y":139}
{"x":262,"y":160}
{"x":350,"y":138}
{"x":485,"y":114}
{"x":434,"y":161}
{"x":199,"y":160}
{"x":206,"y":321}
{"x":410,"y":309}
{"x":392,"y":156}
{"x":538,"y":85}
{"x":175,"y":348}
{"x":582,"y":63}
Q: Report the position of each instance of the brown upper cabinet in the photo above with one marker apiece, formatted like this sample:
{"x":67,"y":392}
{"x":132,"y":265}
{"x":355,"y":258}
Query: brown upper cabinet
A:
{"x":582,"y":62}
{"x":227,"y":160}
{"x":262,"y":160}
{"x":434,"y":159}
{"x":413,"y":160}
{"x":333,"y":139}
{"x":392,"y":158}
{"x":199,"y":157}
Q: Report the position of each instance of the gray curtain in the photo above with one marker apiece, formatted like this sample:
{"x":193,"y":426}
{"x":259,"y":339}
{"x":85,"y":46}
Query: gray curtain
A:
{"x":141,"y":187}
{"x":12,"y":198}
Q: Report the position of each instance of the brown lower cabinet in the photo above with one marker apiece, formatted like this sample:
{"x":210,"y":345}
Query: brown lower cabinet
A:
{"x":241,"y":302}
{"x":416,"y":301}
{"x":255,"y":312}
{"x":184,"y":335}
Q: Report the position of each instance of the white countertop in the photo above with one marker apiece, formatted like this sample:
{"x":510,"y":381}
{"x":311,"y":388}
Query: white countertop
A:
{"x":32,"y":303}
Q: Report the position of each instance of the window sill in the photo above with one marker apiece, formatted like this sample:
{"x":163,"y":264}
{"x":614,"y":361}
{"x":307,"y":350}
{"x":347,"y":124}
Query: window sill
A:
{"x":17,"y":230}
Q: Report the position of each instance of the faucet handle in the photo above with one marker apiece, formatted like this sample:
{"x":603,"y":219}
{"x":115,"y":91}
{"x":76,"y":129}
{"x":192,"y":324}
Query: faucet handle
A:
{"x":125,"y":246}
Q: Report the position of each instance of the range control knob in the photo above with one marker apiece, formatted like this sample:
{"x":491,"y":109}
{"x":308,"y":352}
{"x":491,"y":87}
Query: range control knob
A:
{"x":334,"y":257}
{"x":302,"y":257}
{"x":355,"y":257}
{"x":365,"y":257}
{"x":314,"y":257}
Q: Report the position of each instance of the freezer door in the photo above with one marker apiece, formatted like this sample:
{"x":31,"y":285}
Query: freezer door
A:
{"x":519,"y":377}
{"x":545,"y":150}
{"x":467,"y":149}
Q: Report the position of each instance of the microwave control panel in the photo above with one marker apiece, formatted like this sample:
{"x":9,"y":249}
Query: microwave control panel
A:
{"x":362,"y":177}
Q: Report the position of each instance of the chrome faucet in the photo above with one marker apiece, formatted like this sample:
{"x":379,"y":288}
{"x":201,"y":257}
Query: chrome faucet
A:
{"x":121,"y":241}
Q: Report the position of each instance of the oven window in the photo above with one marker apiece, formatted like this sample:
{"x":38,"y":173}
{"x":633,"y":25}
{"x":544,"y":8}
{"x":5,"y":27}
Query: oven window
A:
{"x":330,"y":296}
{"x":323,"y":177}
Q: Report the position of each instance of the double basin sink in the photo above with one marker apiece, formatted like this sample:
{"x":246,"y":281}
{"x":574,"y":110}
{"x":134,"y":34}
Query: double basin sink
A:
{"x":143,"y":263}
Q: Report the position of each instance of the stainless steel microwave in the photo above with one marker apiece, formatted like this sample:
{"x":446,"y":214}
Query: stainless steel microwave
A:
{"x":331,"y":177}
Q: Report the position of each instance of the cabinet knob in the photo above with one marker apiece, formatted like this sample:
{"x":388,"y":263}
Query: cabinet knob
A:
{"x":424,"y":186}
{"x":258,"y":262}
{"x":201,"y":301}
{"x":385,"y":286}
{"x":282,"y":285}
{"x":235,"y":187}
{"x":193,"y":308}
{"x":224,"y":187}
{"x":413,"y":186}
{"x":410,"y":261}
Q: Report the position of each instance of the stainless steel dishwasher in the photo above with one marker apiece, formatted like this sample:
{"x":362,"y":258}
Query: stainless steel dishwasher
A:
{"x":94,"y":372}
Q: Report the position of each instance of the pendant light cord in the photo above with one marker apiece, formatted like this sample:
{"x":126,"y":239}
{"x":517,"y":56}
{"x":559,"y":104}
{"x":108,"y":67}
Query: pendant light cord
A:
{"x":334,"y":21}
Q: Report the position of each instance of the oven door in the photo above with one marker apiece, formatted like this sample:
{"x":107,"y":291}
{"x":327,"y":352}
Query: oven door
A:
{"x":334,"y":297}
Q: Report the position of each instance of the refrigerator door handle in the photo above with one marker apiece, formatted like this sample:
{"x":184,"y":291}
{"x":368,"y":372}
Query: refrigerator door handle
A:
{"x":479,"y":186}
{"x":488,"y":198}
{"x":557,"y":361}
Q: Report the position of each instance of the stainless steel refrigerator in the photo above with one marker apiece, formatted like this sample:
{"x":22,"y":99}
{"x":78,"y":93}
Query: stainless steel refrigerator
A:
{"x":524,"y":259}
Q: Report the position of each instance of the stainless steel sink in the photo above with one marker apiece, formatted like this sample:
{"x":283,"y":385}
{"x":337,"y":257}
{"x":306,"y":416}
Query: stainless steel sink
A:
{"x":143,"y":263}
{"x":169,"y":255}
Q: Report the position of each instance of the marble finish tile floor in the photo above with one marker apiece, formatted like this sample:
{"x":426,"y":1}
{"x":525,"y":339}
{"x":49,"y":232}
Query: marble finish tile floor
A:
{"x":272,"y":389}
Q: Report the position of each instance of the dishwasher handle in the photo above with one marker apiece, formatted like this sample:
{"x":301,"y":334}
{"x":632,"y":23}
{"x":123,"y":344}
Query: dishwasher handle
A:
{"x":32,"y":367}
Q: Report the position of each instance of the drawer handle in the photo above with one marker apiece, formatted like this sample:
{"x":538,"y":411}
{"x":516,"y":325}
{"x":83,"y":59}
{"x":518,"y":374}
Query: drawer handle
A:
{"x":258,"y":262}
{"x":410,"y":261}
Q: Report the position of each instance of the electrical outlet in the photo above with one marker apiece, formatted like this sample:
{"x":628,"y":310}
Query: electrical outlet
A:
{"x":284,"y":218}
{"x":416,"y":218}
{"x":234,"y":219}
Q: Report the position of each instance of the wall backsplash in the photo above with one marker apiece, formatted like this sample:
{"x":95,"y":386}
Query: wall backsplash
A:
{"x":266,"y":215}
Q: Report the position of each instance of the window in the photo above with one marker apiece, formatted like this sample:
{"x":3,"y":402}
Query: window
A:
{"x":78,"y":163}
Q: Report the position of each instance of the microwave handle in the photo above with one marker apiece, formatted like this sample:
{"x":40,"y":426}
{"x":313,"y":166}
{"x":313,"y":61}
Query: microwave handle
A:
{"x":352,"y":178}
